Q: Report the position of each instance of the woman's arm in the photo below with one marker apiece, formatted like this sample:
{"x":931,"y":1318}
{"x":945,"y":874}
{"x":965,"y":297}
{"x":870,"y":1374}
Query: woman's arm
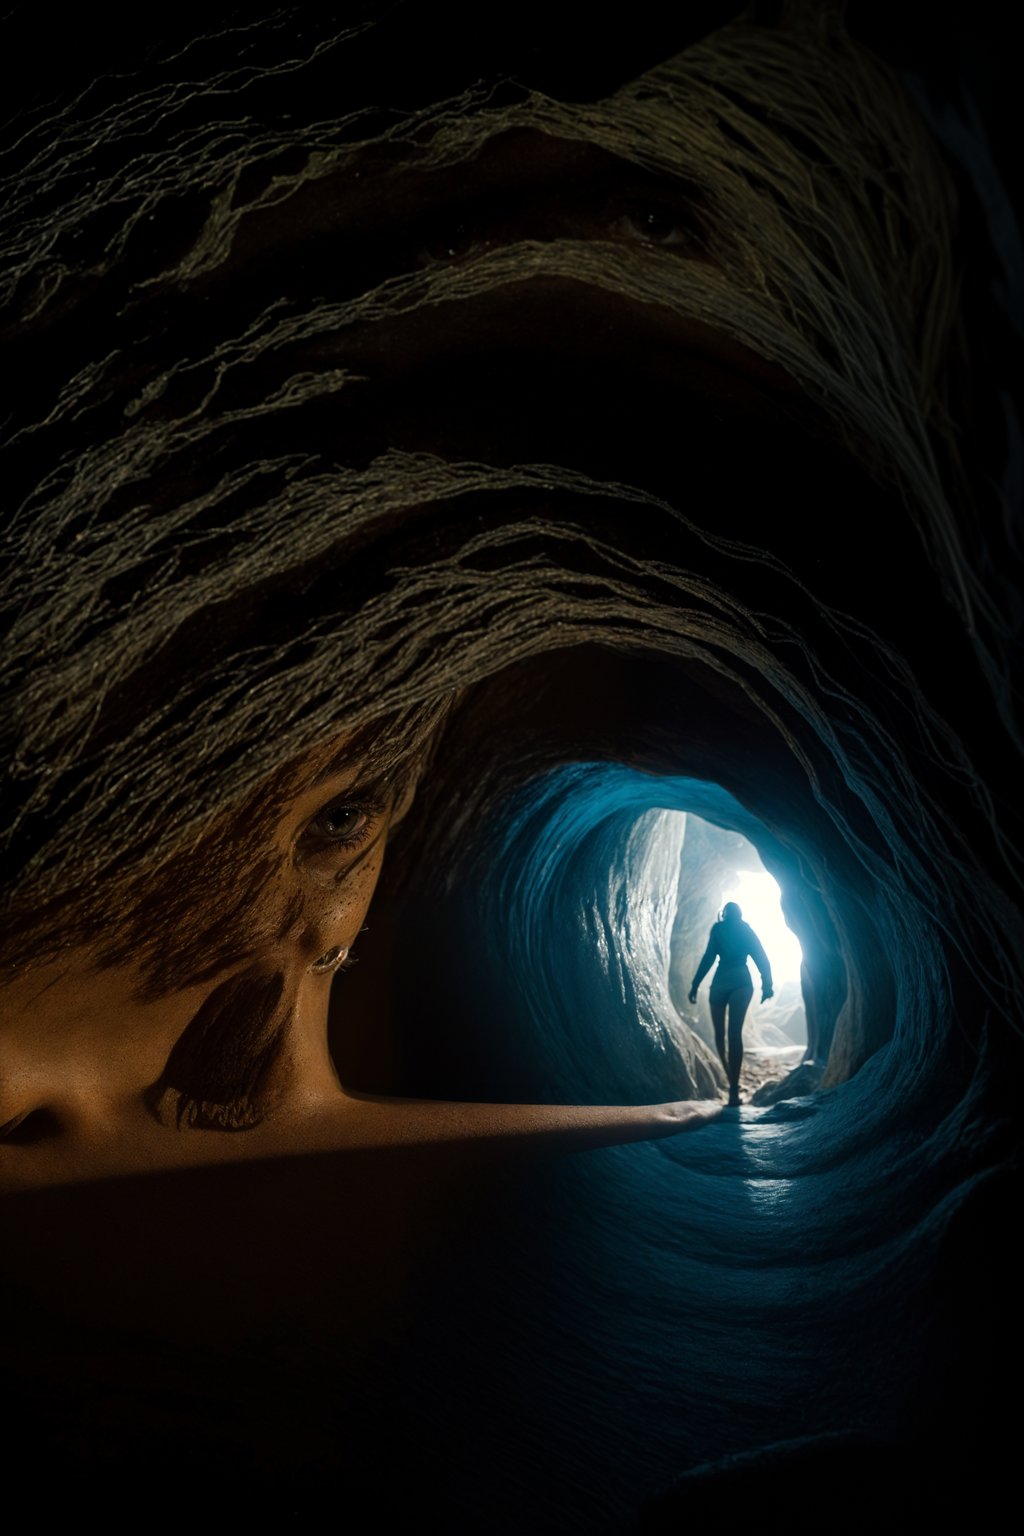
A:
{"x":574,"y":1125}
{"x":760,"y":959}
{"x":707,"y":961}
{"x":367,"y":1121}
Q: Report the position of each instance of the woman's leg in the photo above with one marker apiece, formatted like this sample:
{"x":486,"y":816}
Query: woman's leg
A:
{"x":718,"y":1005}
{"x":739,"y":1002}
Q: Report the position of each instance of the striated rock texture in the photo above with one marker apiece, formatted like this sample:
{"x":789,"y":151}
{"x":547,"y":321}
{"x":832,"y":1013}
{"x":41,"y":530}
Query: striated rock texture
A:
{"x":665,"y":424}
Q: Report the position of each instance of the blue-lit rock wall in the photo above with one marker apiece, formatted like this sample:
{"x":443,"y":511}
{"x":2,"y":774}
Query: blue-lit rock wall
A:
{"x":563,"y":930}
{"x":775,"y":1286}
{"x":293,"y":449}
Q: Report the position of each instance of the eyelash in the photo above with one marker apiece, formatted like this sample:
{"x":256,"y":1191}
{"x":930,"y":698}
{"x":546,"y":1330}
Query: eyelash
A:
{"x":316,"y":832}
{"x":642,"y":218}
{"x":652,"y":223}
{"x":219,"y":1075}
{"x":239,"y":1114}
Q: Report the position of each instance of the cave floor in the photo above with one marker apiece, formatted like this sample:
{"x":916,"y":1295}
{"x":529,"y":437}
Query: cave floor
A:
{"x":761,"y":1067}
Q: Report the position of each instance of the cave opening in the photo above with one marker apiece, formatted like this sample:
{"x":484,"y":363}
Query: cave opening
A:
{"x":540,"y":960}
{"x":547,"y":967}
{"x":717,"y":866}
{"x":539,"y":934}
{"x":628,"y":506}
{"x":556,"y":968}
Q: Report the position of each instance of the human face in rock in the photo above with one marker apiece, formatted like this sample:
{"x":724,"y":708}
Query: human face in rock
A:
{"x":99,"y":1076}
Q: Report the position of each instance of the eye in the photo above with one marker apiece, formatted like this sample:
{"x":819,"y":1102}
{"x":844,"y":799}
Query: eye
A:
{"x":448,"y":243}
{"x":335,"y":839}
{"x":654,"y":223}
{"x":341,"y":824}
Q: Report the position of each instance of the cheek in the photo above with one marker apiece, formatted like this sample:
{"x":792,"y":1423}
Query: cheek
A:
{"x":333,"y":912}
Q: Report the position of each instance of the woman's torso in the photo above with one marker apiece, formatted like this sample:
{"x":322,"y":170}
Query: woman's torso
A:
{"x":732,"y":941}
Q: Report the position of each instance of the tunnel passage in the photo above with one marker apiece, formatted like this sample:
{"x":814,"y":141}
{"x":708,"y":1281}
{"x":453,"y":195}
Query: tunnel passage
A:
{"x":414,"y":470}
{"x":717,"y":865}
{"x":762,"y":1286}
{"x":507,"y":956}
{"x":534,"y":907}
{"x":756,"y":1290}
{"x":563,"y":986}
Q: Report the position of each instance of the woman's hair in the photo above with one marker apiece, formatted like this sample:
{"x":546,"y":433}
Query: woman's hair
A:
{"x":730,"y":913}
{"x":227,"y":540}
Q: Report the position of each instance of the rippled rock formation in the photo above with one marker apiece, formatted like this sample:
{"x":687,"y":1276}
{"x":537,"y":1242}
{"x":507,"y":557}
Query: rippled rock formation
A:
{"x":660,"y":422}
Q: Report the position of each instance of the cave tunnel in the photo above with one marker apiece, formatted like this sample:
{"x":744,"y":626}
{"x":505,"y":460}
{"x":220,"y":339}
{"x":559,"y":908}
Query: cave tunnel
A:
{"x":691,"y":504}
{"x":781,"y":1241}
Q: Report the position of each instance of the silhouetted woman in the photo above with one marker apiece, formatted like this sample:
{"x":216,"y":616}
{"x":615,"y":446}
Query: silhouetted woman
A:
{"x":731,"y":940}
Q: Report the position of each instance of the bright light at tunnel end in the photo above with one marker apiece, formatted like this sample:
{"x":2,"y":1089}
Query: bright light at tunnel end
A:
{"x":759,"y":896}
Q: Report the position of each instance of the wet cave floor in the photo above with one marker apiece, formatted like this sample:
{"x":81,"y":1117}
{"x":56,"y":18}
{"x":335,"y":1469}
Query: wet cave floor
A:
{"x":763,"y":1069}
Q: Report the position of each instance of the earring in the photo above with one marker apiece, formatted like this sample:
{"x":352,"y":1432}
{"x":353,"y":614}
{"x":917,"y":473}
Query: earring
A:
{"x":330,"y":961}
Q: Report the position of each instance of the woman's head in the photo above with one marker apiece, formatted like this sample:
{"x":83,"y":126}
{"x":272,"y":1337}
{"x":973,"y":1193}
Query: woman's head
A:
{"x":731,"y":912}
{"x":193,"y":994}
{"x":309,"y":395}
{"x":331,"y":415}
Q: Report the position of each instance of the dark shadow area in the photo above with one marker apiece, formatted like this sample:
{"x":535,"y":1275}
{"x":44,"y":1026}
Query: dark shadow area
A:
{"x":678,"y":521}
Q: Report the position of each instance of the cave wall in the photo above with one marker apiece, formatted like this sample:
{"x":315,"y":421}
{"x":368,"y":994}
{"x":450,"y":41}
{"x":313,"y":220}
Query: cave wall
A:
{"x":290,"y":448}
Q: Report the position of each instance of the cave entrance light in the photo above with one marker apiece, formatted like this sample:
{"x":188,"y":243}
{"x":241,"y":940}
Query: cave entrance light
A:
{"x":719,"y":864}
{"x":760,"y":898}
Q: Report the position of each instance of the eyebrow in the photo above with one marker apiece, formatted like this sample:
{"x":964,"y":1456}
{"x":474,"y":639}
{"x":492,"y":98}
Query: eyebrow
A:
{"x":334,"y":769}
{"x":379,"y":751}
{"x":371,"y":762}
{"x":367,"y":776}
